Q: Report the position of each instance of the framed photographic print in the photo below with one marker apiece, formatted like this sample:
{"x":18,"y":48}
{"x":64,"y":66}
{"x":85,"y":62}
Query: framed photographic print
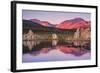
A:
{"x":47,"y":36}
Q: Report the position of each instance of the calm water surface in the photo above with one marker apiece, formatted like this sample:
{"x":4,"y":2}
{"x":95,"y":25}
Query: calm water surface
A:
{"x":45,"y":50}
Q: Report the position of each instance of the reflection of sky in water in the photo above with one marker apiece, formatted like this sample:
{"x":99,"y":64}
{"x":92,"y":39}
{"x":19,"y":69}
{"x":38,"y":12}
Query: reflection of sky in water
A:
{"x":56,"y":52}
{"x":54,"y":55}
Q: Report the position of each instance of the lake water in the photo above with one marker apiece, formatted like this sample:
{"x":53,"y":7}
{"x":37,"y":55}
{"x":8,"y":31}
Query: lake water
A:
{"x":55,"y":50}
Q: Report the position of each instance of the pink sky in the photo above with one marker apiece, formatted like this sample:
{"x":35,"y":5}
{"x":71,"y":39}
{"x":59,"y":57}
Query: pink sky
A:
{"x":53,"y":16}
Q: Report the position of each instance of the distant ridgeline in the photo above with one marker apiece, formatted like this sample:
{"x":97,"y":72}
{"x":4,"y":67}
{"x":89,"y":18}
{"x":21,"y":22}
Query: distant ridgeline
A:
{"x":38,"y":28}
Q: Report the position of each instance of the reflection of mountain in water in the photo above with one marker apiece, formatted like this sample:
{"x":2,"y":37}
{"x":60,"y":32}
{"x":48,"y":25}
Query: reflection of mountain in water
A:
{"x":76,"y":48}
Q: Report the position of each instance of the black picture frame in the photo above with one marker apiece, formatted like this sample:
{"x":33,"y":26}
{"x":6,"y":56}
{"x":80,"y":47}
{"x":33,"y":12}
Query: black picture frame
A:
{"x":14,"y":30}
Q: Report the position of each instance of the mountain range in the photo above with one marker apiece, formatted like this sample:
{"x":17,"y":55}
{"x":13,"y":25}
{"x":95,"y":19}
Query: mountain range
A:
{"x":74,"y":24}
{"x":67,"y":24}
